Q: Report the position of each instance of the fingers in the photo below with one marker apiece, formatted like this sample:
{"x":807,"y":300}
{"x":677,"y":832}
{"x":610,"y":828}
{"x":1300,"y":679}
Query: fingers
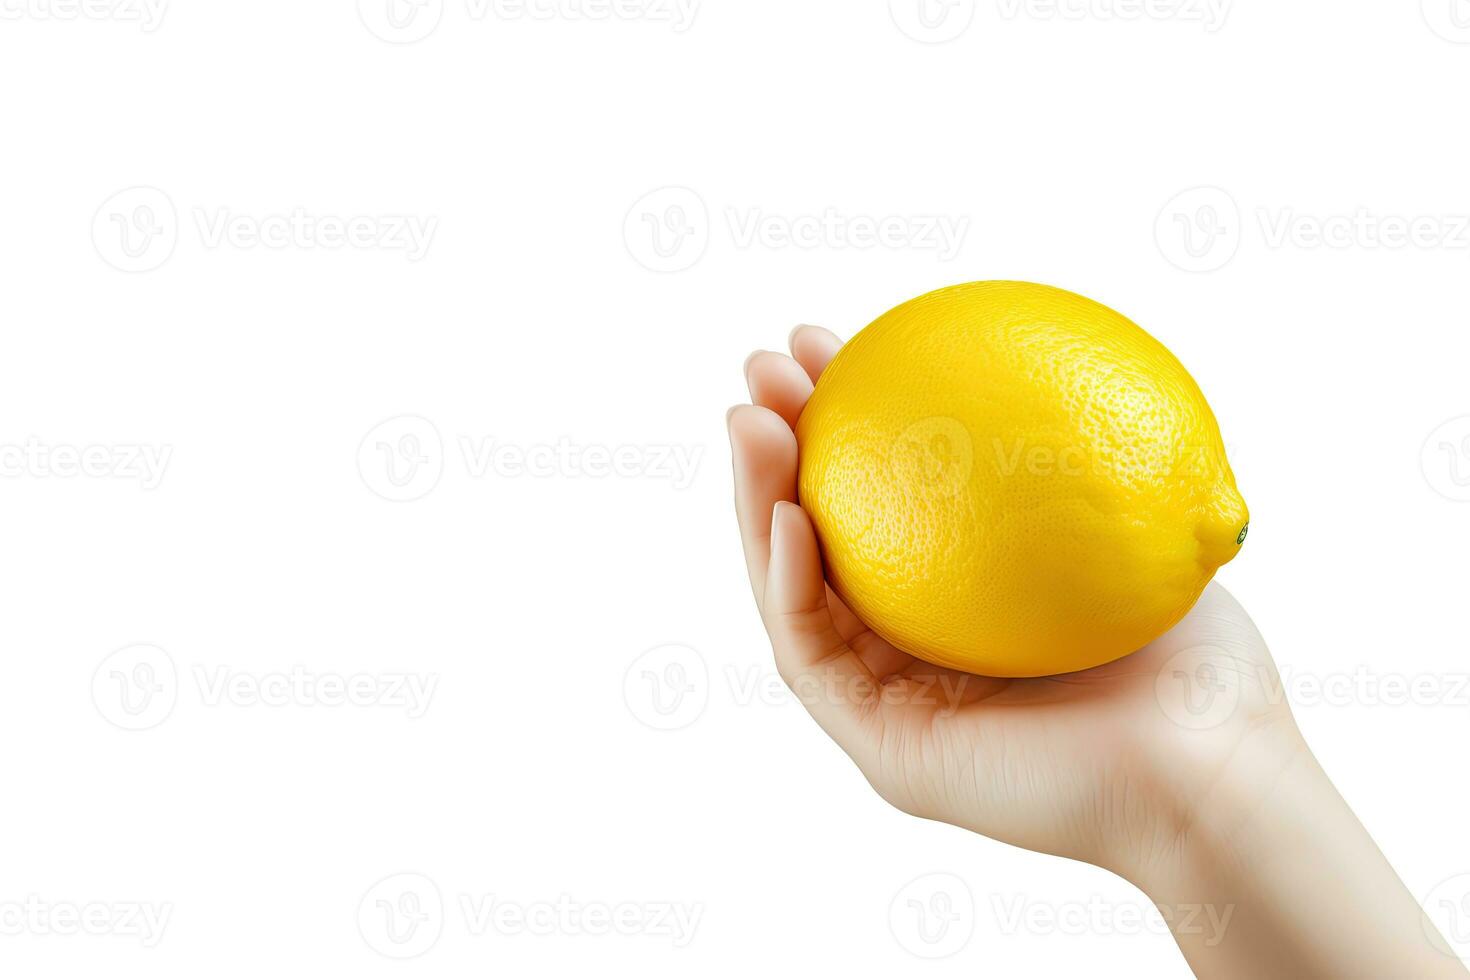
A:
{"x":813,"y":347}
{"x":764,"y":449}
{"x":824,"y":672}
{"x":783,"y":384}
{"x":827,"y":675}
{"x":778,"y":383}
{"x":763,"y":454}
{"x":765,"y":464}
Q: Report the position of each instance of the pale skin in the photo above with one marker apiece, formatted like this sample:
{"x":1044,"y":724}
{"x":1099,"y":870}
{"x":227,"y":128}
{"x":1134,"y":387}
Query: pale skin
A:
{"x":1228,"y":811}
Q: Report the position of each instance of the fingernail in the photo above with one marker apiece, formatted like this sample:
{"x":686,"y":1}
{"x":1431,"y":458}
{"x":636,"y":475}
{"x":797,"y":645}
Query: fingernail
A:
{"x":745,"y":368}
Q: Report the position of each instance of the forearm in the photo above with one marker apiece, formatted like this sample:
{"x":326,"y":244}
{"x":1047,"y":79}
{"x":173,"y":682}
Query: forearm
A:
{"x":1293,"y":883}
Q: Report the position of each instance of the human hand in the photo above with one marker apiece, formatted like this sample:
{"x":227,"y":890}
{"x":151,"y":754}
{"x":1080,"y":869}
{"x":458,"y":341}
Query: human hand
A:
{"x":1116,"y":766}
{"x":1090,"y":765}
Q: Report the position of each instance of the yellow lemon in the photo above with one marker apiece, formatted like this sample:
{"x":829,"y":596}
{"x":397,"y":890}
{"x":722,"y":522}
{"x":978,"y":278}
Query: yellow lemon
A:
{"x":1014,"y":480}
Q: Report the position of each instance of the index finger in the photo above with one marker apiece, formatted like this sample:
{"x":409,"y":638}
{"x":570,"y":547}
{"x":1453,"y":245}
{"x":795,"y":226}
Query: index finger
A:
{"x":813,"y":347}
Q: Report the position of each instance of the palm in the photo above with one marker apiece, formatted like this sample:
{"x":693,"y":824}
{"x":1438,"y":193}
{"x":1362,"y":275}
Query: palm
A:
{"x":1050,"y":763}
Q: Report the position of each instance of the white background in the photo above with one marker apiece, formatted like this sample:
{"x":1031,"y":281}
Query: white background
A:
{"x":1068,"y":147}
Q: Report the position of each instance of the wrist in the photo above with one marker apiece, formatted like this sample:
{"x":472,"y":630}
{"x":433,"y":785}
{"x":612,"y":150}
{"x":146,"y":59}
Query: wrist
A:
{"x":1267,"y":876}
{"x":1266,"y":797}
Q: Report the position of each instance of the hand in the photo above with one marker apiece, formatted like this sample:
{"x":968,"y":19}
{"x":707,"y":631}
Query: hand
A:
{"x":1116,"y":765}
{"x":1087,"y":765}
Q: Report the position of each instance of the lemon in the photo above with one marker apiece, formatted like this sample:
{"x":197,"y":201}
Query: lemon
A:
{"x":1014,"y":480}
